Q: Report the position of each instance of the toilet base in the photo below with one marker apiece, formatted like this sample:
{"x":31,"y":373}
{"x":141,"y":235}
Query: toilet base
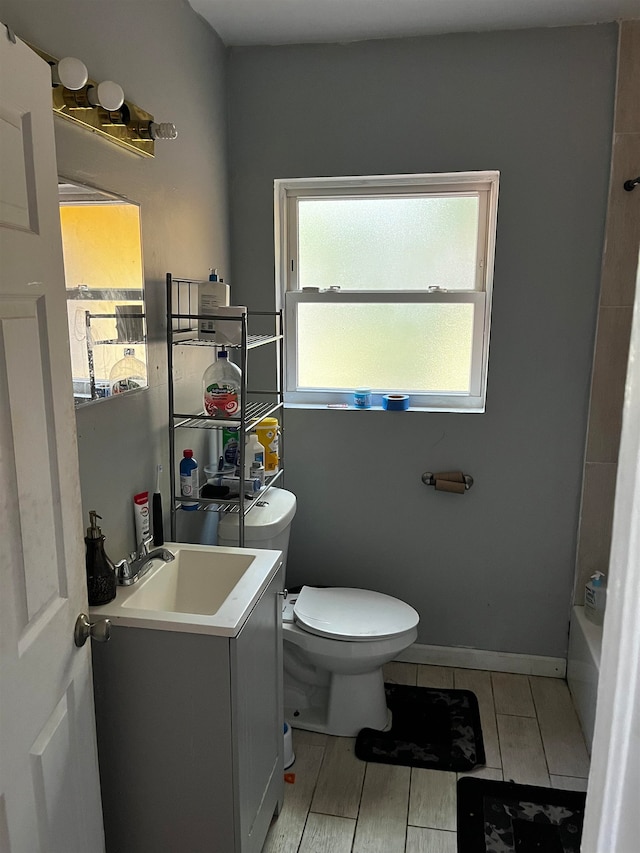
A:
{"x":348,"y":704}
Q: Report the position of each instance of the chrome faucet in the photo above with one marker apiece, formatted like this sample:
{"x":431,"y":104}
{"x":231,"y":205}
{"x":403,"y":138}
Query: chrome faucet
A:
{"x":138,"y":563}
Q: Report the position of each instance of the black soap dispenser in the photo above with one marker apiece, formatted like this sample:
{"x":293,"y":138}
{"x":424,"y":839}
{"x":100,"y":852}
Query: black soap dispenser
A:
{"x":101,"y":573}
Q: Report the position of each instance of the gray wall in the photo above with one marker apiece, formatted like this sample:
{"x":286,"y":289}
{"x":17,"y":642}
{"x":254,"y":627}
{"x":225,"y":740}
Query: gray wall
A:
{"x":491,"y":569}
{"x":171,"y":64}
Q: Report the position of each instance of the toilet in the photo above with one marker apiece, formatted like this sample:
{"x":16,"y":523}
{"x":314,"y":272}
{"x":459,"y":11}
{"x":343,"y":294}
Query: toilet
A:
{"x":336,"y":639}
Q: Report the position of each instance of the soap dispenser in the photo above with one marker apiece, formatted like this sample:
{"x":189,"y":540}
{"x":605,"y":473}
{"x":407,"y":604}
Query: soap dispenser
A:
{"x":101,"y":573}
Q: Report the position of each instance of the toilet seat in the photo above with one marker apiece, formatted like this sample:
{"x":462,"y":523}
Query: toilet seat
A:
{"x":341,"y":613}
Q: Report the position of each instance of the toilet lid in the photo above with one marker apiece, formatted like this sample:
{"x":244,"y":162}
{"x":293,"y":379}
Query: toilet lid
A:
{"x":352,"y":614}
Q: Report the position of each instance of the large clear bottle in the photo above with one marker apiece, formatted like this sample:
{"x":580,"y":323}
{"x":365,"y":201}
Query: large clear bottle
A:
{"x":221,"y":386}
{"x":128,"y":373}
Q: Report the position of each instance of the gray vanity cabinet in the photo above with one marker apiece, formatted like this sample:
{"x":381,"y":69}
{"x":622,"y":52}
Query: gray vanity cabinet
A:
{"x":190,"y":735}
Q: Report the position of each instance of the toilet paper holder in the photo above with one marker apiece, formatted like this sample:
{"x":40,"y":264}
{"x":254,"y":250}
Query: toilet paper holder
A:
{"x":429,"y":479}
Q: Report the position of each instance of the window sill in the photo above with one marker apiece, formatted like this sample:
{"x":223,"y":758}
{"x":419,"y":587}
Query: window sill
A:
{"x":345,"y":407}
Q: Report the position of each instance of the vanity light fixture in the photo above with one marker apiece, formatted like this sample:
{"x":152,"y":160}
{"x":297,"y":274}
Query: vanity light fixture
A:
{"x":102,"y":107}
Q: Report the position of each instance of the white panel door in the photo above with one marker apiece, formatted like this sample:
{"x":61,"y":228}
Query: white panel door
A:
{"x":49,"y":788}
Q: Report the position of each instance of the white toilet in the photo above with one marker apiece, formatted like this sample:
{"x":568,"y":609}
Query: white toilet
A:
{"x":336,"y":640}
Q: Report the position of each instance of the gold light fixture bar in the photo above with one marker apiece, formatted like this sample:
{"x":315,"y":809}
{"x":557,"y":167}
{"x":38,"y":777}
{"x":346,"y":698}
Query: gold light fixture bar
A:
{"x":129,"y":126}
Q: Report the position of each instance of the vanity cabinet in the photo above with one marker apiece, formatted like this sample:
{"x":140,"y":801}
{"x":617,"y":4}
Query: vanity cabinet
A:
{"x":190,"y":734}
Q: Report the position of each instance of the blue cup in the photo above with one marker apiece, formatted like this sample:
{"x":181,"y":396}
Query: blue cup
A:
{"x":362,"y":398}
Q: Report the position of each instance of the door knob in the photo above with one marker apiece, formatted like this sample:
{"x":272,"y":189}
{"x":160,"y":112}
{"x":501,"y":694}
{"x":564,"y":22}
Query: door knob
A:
{"x":99,"y":631}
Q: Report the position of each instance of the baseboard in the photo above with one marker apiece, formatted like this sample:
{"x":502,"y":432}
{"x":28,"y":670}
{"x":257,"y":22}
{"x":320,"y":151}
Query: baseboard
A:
{"x":484,"y":659}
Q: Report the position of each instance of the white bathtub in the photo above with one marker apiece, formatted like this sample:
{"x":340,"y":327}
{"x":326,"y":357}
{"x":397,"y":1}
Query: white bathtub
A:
{"x":583,"y":669}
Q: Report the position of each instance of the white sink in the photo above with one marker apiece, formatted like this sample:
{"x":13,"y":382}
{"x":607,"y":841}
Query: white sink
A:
{"x":205,"y":589}
{"x":195,"y":582}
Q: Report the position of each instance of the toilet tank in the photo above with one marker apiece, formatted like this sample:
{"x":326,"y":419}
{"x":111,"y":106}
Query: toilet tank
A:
{"x":267,"y":525}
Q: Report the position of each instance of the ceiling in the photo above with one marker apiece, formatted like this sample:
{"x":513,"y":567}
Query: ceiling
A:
{"x":247,"y":22}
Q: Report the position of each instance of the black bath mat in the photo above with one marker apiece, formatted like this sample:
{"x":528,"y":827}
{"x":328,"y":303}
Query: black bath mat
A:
{"x":502,"y":817}
{"x":435,"y":729}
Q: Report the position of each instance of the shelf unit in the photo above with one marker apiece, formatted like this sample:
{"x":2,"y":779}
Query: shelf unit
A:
{"x":123,"y":341}
{"x":182,"y":331}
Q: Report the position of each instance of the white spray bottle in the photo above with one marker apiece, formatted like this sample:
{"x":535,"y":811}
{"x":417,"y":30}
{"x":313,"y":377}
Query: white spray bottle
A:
{"x":595,"y":595}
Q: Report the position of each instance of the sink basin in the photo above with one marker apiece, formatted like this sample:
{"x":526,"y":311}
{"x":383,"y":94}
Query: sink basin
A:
{"x":195,"y":582}
{"x":206,"y":589}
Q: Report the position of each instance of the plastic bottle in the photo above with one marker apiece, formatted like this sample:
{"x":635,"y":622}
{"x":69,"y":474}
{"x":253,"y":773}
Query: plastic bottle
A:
{"x":595,"y":594}
{"x":254,"y":453}
{"x":188,"y":479}
{"x":230,"y":448}
{"x":101,"y":573}
{"x":268,"y":432}
{"x":128,"y":373}
{"x":257,"y":473}
{"x":221,"y":383}
{"x":212,"y":295}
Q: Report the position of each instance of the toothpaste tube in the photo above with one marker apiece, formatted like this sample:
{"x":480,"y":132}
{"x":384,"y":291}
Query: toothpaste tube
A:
{"x":141,"y":511}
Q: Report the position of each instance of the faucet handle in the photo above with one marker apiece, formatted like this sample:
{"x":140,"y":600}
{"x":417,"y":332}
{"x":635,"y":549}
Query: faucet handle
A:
{"x":123,"y":570}
{"x":144,"y":548}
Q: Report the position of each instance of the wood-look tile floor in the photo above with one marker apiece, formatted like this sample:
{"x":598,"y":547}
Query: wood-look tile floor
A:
{"x":339,"y":804}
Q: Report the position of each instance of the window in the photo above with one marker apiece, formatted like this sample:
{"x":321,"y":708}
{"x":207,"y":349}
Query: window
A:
{"x":386,"y":283}
{"x":102,"y":247}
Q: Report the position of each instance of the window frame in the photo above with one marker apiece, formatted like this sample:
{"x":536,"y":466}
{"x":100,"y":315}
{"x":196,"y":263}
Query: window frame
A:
{"x":288,"y":191}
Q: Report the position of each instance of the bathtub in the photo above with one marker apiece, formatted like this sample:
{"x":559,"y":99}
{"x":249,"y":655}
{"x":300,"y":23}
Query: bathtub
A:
{"x":583,"y":668}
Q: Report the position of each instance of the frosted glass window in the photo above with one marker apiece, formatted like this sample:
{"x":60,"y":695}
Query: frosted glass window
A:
{"x":386,"y":282}
{"x":388,"y":243}
{"x":410,"y":347}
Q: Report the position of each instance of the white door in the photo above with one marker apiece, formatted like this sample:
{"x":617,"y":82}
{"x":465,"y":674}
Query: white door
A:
{"x":49,"y":788}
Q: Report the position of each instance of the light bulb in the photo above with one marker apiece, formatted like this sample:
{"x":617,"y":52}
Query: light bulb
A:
{"x":106,"y":94}
{"x":152,"y":130}
{"x":71,"y":73}
{"x":162,"y":130}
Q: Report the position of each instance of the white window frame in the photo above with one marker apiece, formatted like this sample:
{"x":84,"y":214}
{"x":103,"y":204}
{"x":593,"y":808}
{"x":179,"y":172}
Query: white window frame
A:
{"x":288,"y":191}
